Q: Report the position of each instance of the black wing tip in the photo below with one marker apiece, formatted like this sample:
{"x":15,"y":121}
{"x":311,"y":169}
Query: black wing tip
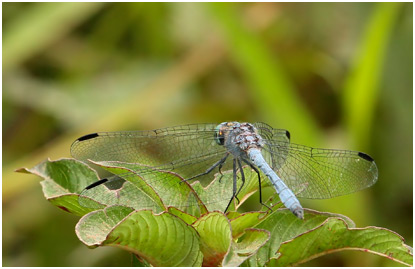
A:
{"x":97,"y":183}
{"x":287,"y":133}
{"x":88,"y":136}
{"x":365,"y":156}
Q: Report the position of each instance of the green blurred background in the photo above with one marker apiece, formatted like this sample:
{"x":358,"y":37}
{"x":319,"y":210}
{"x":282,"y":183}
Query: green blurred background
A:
{"x":336,"y":75}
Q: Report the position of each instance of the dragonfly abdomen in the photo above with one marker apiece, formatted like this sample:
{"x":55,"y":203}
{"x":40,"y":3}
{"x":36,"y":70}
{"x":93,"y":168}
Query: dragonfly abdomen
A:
{"x":286,"y":195}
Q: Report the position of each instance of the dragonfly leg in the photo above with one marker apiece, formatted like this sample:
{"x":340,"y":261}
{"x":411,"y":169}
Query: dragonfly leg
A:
{"x":234,"y":185}
{"x":218,"y":163}
{"x":259,"y":184}
{"x":242,"y":179}
{"x":220,"y":171}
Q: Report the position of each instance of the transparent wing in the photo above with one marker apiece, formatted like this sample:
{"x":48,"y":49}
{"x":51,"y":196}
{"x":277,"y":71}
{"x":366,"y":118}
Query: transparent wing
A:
{"x":273,"y":139}
{"x":321,"y":173}
{"x":187,"y":150}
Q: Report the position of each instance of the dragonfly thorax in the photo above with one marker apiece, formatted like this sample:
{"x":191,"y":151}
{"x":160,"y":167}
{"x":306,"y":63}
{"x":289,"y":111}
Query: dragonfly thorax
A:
{"x":237,"y":137}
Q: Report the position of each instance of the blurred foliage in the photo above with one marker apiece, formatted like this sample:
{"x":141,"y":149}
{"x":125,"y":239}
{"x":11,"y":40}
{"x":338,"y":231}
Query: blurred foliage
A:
{"x":335,"y":75}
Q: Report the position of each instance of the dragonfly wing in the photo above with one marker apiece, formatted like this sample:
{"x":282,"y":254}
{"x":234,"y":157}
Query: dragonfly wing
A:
{"x":187,"y":150}
{"x":323,"y":173}
{"x":273,"y":138}
{"x":152,"y":155}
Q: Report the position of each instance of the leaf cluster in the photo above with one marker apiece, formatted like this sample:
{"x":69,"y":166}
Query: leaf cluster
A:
{"x":165,"y":235}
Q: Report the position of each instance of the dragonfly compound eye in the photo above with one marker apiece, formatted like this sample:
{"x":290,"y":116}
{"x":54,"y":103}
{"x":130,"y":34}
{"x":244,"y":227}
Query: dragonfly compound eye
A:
{"x":219,"y":135}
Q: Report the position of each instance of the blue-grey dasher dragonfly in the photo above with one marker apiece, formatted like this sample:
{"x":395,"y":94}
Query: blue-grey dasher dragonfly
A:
{"x":193,"y":151}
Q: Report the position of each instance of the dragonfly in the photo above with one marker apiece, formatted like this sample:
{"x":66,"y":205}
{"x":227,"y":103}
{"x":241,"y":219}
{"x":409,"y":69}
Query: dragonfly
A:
{"x":192,"y":152}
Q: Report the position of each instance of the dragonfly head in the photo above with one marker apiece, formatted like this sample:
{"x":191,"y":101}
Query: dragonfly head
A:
{"x":223,"y":129}
{"x":220,"y":133}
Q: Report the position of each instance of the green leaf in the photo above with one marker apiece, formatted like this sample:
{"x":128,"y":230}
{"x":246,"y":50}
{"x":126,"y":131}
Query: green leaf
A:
{"x":172,"y":190}
{"x":135,"y":193}
{"x":215,"y":237}
{"x":284,"y":226}
{"x":233,"y":214}
{"x":189,"y":219}
{"x":138,"y":262}
{"x":161,"y":240}
{"x":334,"y":235}
{"x":70,"y":204}
{"x":93,"y":228}
{"x":157,"y":190}
{"x":63,"y":179}
{"x":217,"y":194}
{"x":162,"y":187}
{"x":247,"y":245}
{"x":179,"y":238}
{"x":244,"y":221}
{"x":217,"y":245}
{"x":70,"y":176}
